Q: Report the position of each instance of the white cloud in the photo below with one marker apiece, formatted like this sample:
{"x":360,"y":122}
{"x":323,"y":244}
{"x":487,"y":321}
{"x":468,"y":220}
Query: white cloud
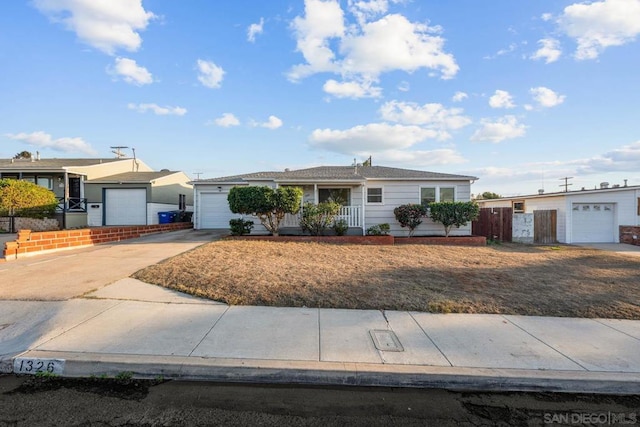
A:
{"x":158,"y":110}
{"x":352,"y":89}
{"x":254,"y":30}
{"x":417,"y":158}
{"x":44,"y":140}
{"x":459,"y":96}
{"x":227,"y":120}
{"x":549,"y":50}
{"x":130,"y":72}
{"x":545,"y":97}
{"x":430,"y":116}
{"x":323,"y":21}
{"x":273,"y":123}
{"x":106,"y":25}
{"x":598,"y":25}
{"x":546,"y":17}
{"x":210,"y":74}
{"x":512,"y":47}
{"x":370,"y":138}
{"x":501,"y":99}
{"x":366,"y":49}
{"x":506,"y":127}
{"x":404,"y":86}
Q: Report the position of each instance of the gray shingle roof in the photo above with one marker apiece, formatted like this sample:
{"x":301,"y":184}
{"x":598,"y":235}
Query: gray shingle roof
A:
{"x":340,"y":173}
{"x":132,"y":177}
{"x":49,"y":164}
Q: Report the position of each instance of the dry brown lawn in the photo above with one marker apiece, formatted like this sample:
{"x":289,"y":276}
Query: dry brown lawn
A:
{"x":509,"y":278}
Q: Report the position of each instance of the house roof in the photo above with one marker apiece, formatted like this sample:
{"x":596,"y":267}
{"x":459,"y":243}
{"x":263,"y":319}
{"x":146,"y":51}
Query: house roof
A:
{"x":338,"y":173}
{"x":18,"y":165}
{"x":567,"y":193}
{"x":131,"y":177}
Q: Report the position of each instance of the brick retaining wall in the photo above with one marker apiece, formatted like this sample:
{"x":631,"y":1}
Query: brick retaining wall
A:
{"x":30,"y":242}
{"x":630,"y":234}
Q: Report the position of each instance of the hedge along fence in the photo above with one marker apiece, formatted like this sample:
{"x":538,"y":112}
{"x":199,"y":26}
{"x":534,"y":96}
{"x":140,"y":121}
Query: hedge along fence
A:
{"x":34,"y":243}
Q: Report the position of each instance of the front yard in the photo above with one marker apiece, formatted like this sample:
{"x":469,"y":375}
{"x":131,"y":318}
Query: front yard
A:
{"x":509,"y":278}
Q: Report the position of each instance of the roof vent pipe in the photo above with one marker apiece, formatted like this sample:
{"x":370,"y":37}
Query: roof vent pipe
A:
{"x":625,"y":182}
{"x":541,"y":191}
{"x":604,"y":185}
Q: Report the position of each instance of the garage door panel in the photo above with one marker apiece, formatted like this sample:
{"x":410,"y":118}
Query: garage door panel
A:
{"x":214,"y":211}
{"x":593,"y":222}
{"x":125,"y":206}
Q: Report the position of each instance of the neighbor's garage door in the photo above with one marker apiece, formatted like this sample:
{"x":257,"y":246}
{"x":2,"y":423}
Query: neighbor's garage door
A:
{"x":214,"y":211}
{"x":125,"y":206}
{"x":593,"y":222}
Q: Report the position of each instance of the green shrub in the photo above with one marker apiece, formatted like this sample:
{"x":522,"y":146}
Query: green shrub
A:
{"x":22,"y":198}
{"x":341,"y":226}
{"x":240,"y":227}
{"x":410,"y":216}
{"x":452,"y":214}
{"x":379,"y":230}
{"x":317,"y":218}
{"x":268,"y":204}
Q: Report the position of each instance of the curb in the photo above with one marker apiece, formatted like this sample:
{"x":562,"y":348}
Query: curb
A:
{"x":339,"y":373}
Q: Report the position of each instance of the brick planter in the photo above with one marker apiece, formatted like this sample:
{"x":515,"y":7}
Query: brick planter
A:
{"x":31,"y":243}
{"x":439,"y":240}
{"x":338,"y":240}
{"x":630,"y":234}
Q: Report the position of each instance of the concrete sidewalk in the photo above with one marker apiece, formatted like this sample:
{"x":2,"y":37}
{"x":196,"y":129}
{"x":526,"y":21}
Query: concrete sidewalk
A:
{"x":131,"y":326}
{"x":77,"y":313}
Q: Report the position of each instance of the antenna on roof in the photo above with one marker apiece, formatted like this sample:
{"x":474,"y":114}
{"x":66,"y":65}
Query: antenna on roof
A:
{"x":117,"y":150}
{"x":566,"y":183}
{"x":197,"y":174}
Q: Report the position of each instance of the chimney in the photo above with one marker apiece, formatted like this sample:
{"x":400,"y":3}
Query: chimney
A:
{"x":625,"y":182}
{"x":541,"y":191}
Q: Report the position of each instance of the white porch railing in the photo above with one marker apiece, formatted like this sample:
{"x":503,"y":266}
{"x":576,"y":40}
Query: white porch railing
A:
{"x":351,"y":214}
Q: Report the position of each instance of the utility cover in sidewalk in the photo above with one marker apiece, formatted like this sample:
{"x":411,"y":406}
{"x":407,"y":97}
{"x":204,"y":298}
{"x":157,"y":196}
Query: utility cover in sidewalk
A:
{"x":385,"y":340}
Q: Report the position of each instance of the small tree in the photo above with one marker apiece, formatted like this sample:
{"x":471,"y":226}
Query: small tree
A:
{"x":22,"y":198}
{"x":268,"y":204}
{"x":452,"y":214}
{"x":410,"y":216}
{"x":317,"y":218}
{"x":490,"y":195}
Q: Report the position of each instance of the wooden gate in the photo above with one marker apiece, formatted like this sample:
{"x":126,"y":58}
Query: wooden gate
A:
{"x":545,"y":225}
{"x":494,"y":224}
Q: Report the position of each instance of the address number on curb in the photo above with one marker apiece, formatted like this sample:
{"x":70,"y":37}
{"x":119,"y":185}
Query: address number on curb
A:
{"x":36,"y":366}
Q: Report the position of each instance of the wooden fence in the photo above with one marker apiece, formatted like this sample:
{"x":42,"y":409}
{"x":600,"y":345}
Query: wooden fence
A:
{"x":494,"y":224}
{"x":545,"y":226}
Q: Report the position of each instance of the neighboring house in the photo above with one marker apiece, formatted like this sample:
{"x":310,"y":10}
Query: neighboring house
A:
{"x":368,"y":195}
{"x":584,"y":216}
{"x":68,"y":179}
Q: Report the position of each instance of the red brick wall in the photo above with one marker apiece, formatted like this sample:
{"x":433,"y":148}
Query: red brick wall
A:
{"x":29,"y":242}
{"x":630,"y":234}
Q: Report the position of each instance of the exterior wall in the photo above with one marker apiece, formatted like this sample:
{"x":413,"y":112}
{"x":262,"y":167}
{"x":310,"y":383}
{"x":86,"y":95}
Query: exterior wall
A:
{"x":94,"y":193}
{"x":630,"y":235}
{"x":396,"y":193}
{"x":522,"y":231}
{"x":94,"y":214}
{"x":75,"y":220}
{"x":111,"y":168}
{"x":167,"y":189}
{"x":154,"y":208}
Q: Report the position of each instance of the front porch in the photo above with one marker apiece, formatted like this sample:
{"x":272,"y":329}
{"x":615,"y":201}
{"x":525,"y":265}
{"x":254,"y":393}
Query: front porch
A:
{"x":353,"y":215}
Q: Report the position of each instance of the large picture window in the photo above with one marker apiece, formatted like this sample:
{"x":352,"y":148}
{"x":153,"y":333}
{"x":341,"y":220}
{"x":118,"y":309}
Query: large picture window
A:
{"x":341,"y":196}
{"x":437,"y":194}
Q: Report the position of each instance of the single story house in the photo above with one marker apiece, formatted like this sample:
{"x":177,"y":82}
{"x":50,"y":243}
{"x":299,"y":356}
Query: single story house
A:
{"x":83,"y":184}
{"x":583,"y":216}
{"x":368,"y":195}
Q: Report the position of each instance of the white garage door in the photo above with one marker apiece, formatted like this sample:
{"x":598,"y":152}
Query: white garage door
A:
{"x":125,"y":206}
{"x":593,"y":222}
{"x":214,"y":211}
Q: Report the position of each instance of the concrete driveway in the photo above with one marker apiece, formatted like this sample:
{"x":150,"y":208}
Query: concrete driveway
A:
{"x":619,"y":248}
{"x":68,"y":274}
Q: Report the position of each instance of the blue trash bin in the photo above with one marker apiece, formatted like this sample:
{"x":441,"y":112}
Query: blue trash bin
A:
{"x":164,"y":217}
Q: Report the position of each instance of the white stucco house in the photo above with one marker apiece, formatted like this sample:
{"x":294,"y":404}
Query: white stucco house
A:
{"x":368,"y":195}
{"x":583,"y":216}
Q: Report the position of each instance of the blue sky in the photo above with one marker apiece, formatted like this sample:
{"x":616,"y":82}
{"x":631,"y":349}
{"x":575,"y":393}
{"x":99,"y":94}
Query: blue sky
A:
{"x":517,"y":93}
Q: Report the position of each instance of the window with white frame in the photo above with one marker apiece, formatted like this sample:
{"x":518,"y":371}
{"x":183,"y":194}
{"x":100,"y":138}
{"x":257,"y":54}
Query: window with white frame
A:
{"x":374,"y":195}
{"x":45,"y":181}
{"x":437,"y":194}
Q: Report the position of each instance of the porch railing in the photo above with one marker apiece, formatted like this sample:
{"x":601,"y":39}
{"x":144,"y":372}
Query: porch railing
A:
{"x":351,"y":214}
{"x":72,"y":204}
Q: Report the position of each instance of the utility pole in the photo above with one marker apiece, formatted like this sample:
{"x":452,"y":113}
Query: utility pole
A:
{"x":566,"y":183}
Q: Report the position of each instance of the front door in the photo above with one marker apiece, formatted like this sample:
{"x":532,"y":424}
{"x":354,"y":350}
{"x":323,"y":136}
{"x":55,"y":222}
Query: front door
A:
{"x":74,"y":188}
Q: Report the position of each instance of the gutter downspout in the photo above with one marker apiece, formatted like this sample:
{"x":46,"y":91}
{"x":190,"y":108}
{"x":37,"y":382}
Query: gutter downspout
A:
{"x":364,"y":189}
{"x":65,"y":202}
